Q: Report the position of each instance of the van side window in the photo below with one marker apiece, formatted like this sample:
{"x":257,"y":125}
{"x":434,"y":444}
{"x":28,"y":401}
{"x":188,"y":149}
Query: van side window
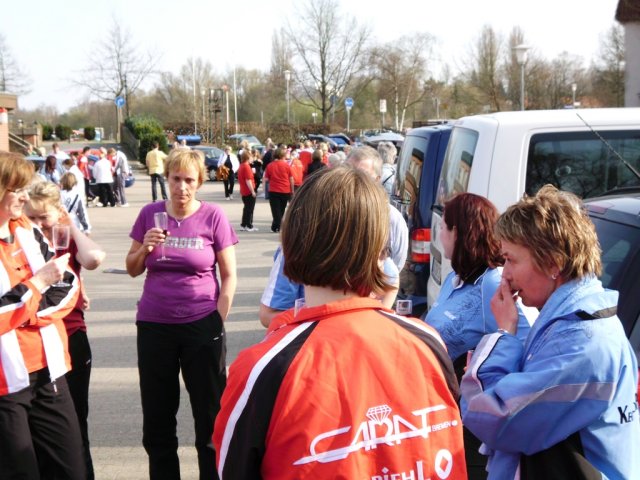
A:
{"x":457,"y":164}
{"x":581,"y":163}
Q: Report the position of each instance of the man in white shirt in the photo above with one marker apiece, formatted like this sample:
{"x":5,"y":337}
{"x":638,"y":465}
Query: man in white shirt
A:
{"x":104,"y":180}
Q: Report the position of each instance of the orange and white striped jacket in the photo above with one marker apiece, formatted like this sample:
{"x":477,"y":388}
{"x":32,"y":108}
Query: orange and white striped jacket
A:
{"x":32,"y":333}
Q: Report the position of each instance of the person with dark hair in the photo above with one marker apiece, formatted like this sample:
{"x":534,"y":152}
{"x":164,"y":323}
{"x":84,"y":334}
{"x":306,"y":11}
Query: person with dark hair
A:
{"x":564,"y":404}
{"x":316,"y":162}
{"x":280,"y":178}
{"x":462,"y":313}
{"x":299,"y":404}
{"x":39,"y":432}
{"x":83,"y":166}
{"x":49,"y":171}
{"x":229,"y":161}
{"x":155,"y":165}
{"x":247,"y":191}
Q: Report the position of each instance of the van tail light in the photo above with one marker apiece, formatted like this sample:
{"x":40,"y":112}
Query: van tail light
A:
{"x":420,"y":245}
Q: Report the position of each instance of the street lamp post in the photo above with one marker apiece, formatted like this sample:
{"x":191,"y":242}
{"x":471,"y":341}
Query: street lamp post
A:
{"x":574,"y":87}
{"x":21,"y":125}
{"x":521,"y":59}
{"x":287,"y":77}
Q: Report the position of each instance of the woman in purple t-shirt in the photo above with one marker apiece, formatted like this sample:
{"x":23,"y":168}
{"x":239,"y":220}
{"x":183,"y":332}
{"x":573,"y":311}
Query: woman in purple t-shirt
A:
{"x":181,"y":313}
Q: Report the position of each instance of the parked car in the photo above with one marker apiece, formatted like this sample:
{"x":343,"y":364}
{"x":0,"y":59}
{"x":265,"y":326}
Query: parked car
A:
{"x":237,"y":138}
{"x":373,"y":137}
{"x":317,"y":137}
{"x":504,"y":155}
{"x":211,"y":156}
{"x":417,"y":174}
{"x":617,"y":221}
{"x":341,"y":140}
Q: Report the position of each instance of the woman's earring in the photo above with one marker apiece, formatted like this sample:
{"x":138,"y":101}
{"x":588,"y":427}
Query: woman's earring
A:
{"x":554,"y":276}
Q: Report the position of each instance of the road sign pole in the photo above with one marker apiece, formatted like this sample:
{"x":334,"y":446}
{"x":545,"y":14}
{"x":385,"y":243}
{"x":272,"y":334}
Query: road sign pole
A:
{"x":348,"y":119}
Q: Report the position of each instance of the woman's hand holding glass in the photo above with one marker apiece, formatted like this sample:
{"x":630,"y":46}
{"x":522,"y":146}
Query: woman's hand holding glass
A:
{"x":51,"y":272}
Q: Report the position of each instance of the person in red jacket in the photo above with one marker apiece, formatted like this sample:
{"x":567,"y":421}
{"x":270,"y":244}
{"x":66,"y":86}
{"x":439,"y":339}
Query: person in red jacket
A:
{"x":247,"y":181}
{"x":278,"y":175}
{"x":344,"y":388}
{"x":39,"y":432}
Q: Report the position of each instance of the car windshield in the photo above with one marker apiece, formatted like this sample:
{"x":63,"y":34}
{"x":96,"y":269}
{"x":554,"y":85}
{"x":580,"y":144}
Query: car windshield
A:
{"x":339,"y":140}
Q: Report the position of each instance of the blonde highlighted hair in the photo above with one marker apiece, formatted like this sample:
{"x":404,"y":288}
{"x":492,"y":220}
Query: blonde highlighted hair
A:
{"x":181,"y":159}
{"x":557,"y":231}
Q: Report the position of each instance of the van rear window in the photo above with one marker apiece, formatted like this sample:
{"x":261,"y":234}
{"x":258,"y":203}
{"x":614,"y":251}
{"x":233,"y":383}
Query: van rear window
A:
{"x":457,"y":164}
{"x":581,"y":163}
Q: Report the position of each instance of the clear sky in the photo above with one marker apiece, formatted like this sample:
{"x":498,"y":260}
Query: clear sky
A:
{"x":51,"y":40}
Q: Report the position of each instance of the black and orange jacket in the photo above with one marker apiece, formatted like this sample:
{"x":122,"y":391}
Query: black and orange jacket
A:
{"x":32,"y":333}
{"x":344,"y":390}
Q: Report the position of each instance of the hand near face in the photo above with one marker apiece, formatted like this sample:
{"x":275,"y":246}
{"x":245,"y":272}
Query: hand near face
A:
{"x":503,"y":306}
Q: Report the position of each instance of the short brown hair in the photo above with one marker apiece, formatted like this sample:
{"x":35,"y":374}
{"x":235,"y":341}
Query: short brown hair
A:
{"x":556,"y":230}
{"x":180,"y":159}
{"x":15,"y":172}
{"x":335,"y":231}
{"x":476,"y":246}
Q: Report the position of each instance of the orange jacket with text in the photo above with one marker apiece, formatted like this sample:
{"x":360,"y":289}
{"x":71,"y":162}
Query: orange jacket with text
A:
{"x":344,"y":390}
{"x":32,"y":332}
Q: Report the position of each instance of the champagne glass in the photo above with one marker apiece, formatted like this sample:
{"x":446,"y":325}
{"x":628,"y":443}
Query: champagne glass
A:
{"x":61,"y":237}
{"x":161,"y":220}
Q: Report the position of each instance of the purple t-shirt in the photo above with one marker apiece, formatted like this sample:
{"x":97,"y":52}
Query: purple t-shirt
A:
{"x":185,"y":288}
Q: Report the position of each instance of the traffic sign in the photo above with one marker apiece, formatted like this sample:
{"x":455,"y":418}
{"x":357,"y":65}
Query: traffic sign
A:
{"x":119,"y":102}
{"x":383,"y":106}
{"x":348,"y":102}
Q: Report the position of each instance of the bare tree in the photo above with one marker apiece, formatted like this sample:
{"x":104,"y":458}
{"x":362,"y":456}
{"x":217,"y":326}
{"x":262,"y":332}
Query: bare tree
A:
{"x":608,"y":70}
{"x":328,"y":48}
{"x":401,"y":72}
{"x":116,"y":67}
{"x":486,"y":70}
{"x":12,"y":78}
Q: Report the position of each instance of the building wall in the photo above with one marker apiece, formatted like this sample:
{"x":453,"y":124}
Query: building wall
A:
{"x":4,"y":136}
{"x":632,"y":64}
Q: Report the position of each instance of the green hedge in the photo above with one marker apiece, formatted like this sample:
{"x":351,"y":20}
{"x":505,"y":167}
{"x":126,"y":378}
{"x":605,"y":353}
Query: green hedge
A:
{"x":147,"y":130}
{"x":89,"y":133}
{"x":47,"y":131}
{"x":63,"y":132}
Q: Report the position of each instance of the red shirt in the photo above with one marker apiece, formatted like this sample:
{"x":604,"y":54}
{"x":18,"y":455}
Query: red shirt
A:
{"x":278,"y":174}
{"x":245,"y":173}
{"x":305,"y":159}
{"x":297,"y":170}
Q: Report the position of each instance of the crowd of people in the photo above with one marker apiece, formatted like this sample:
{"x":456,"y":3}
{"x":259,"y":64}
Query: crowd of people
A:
{"x":519,"y":370}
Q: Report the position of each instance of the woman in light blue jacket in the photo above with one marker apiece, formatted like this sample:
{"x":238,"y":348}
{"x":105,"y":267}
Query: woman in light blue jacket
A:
{"x":564,"y":404}
{"x":462,"y":313}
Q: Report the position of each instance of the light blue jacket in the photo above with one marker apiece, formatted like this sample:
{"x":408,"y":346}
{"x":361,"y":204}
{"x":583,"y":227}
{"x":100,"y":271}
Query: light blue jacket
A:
{"x":576,"y":373}
{"x":462,"y":313}
{"x":281,"y":293}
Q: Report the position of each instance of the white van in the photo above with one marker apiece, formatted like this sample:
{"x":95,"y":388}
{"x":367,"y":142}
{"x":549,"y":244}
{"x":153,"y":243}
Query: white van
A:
{"x":503,"y":155}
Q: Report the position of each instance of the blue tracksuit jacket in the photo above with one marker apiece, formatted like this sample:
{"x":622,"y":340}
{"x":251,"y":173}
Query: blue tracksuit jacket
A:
{"x":575,"y":374}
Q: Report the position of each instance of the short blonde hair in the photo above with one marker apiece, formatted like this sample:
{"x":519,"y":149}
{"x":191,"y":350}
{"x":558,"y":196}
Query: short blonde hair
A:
{"x":335,"y":231}
{"x":15,"y":172}
{"x":44,"y":193}
{"x":556,"y":230}
{"x":182,"y":159}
